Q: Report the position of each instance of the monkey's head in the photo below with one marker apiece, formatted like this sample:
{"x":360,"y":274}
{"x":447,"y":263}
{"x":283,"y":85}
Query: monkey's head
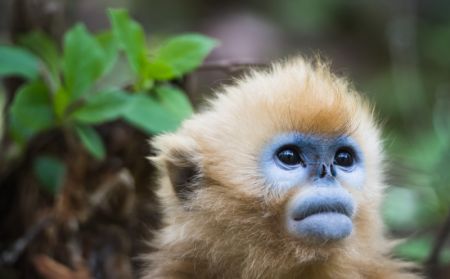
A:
{"x":284,"y":164}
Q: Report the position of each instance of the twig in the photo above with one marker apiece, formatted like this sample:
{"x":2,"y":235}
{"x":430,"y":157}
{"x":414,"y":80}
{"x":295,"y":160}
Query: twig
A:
{"x":228,"y":66}
{"x":433,"y":259}
{"x":51,"y":269}
{"x":10,"y":256}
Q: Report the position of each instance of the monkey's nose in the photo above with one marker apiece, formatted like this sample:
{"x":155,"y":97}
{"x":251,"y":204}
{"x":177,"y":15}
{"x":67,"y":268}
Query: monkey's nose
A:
{"x":323,"y":171}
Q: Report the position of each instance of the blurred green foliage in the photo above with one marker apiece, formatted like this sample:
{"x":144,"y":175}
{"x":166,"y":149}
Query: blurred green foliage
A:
{"x":69,"y":89}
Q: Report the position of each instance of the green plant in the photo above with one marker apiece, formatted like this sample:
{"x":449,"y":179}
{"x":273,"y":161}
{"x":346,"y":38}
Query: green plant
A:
{"x":97,"y":78}
{"x":69,"y":92}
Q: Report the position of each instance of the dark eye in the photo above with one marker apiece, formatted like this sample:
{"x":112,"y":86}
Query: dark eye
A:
{"x":344,"y":158}
{"x":289,"y":155}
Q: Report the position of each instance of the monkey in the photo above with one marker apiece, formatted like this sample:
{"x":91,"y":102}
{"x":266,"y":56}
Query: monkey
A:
{"x":281,"y":175}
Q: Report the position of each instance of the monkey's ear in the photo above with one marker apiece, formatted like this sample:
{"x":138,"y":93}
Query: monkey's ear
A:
{"x":178,"y":159}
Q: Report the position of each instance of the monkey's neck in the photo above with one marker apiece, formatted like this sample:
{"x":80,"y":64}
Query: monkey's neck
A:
{"x":219,"y":259}
{"x":333,"y":268}
{"x":344,"y":262}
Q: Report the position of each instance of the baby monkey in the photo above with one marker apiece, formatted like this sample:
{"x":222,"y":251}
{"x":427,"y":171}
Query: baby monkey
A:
{"x":280,"y":177}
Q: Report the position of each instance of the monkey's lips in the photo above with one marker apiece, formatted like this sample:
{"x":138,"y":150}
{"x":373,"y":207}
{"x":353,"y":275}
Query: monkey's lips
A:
{"x":322,"y":217}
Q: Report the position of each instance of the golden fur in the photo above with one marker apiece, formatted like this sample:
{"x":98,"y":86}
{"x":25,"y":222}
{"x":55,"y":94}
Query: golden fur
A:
{"x":232,"y":226}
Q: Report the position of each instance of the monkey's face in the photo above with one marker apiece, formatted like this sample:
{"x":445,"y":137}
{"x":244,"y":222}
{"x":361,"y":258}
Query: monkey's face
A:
{"x":288,"y":159}
{"x":319,"y":167}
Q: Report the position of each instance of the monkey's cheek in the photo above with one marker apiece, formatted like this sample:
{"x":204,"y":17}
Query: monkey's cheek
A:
{"x":322,"y":226}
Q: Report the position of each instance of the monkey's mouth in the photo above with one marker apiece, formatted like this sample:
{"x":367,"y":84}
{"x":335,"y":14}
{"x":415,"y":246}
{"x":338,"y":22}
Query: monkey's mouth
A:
{"x":313,"y":209}
{"x":323,"y":215}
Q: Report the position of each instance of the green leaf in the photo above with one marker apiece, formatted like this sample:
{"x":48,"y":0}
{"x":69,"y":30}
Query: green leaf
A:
{"x":175,"y":101}
{"x":31,"y":111}
{"x":84,"y":60}
{"x":160,"y":70}
{"x":42,"y":46}
{"x":145,"y":113}
{"x":109,"y":44}
{"x":16,"y":61}
{"x":185,"y":53}
{"x":102,"y":107}
{"x":91,"y":141}
{"x":50,"y":173}
{"x":131,"y":37}
{"x":163,"y":113}
{"x":120,"y":76}
{"x":61,"y":101}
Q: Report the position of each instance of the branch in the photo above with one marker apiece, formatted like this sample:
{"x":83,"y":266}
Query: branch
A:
{"x":226,"y":66}
{"x":229,"y":66}
{"x":433,"y":259}
{"x":10,"y":256}
{"x":51,"y":269}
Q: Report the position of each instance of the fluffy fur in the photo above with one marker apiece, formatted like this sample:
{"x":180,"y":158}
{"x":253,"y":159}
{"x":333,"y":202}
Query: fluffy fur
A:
{"x":230,"y":226}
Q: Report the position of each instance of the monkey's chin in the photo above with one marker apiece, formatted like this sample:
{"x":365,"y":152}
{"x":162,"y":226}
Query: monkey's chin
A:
{"x":322,"y":226}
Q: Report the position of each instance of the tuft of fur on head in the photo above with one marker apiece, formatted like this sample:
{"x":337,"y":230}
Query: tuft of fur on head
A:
{"x":228,"y":223}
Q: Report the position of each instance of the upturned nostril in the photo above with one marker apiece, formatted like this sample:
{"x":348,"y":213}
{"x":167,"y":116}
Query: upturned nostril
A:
{"x":332,"y":170}
{"x":323,"y":171}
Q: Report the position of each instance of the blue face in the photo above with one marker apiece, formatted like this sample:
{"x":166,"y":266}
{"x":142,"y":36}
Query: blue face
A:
{"x":321,"y":166}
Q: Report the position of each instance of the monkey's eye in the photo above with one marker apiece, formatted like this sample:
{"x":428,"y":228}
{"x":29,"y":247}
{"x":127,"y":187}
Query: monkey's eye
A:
{"x":344,"y":158}
{"x":289,"y":156}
